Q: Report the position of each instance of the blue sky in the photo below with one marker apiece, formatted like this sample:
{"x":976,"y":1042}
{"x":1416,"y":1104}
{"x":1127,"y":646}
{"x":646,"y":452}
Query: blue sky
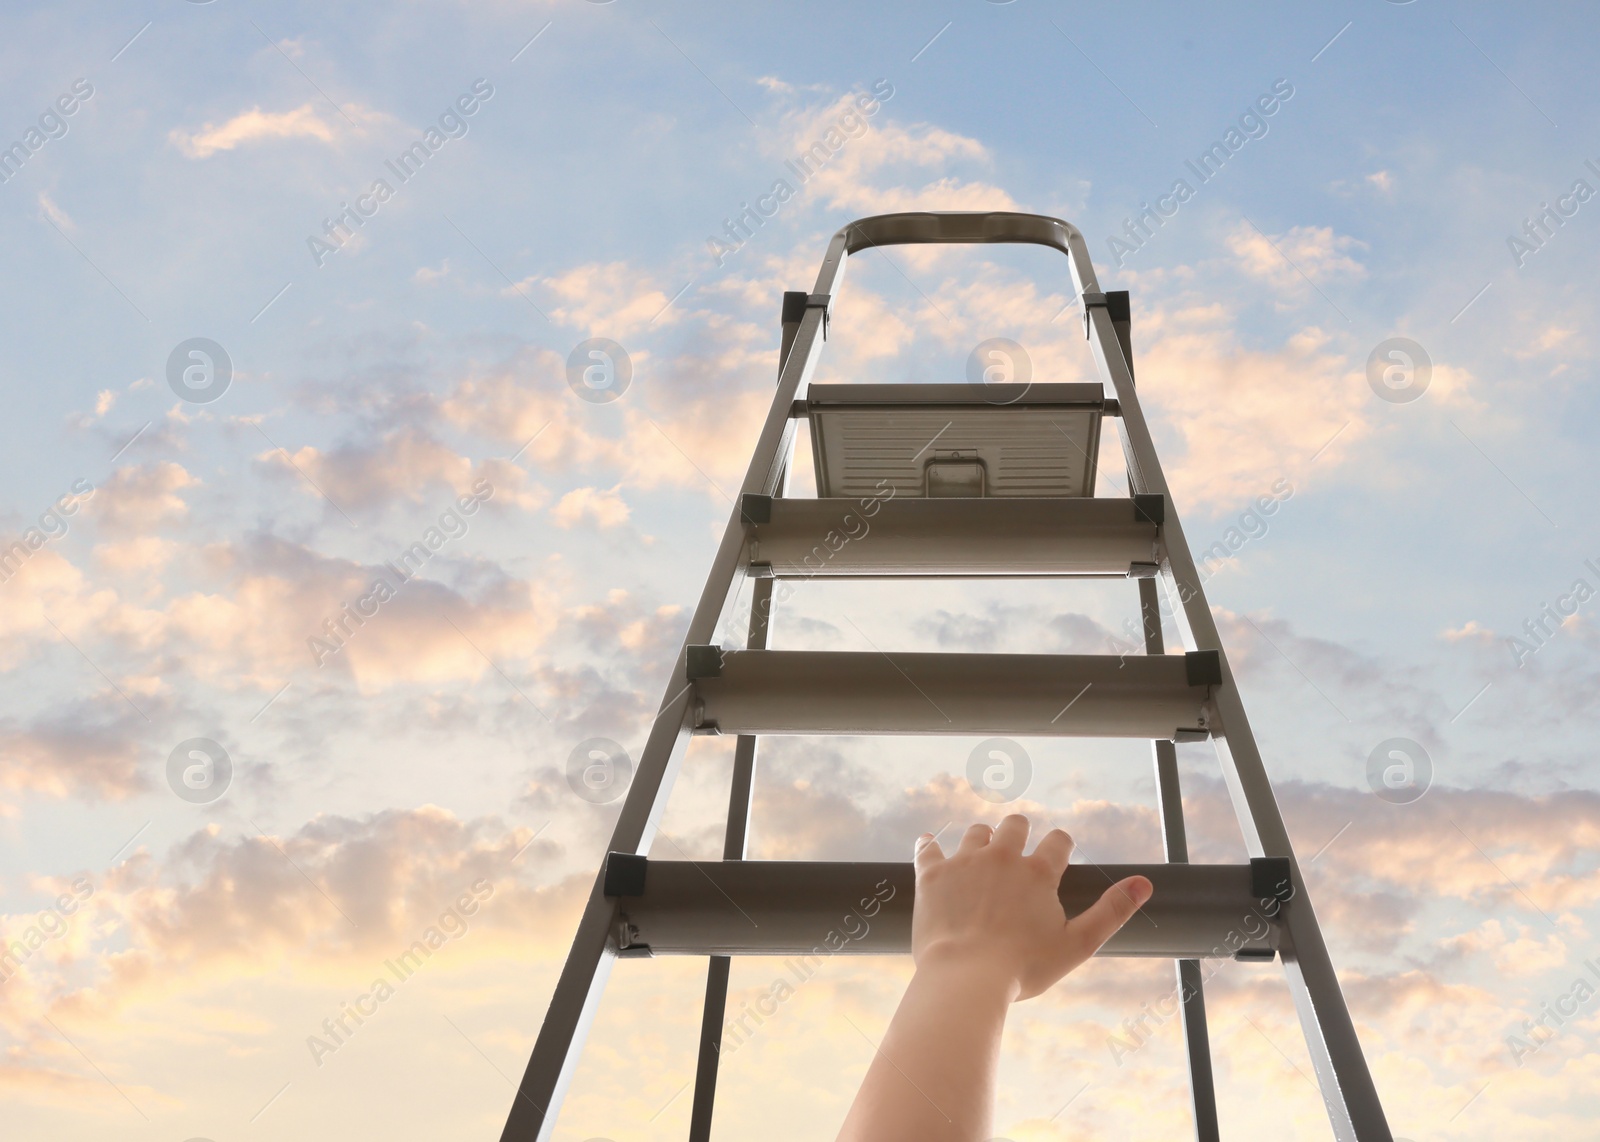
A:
{"x":426,"y":357}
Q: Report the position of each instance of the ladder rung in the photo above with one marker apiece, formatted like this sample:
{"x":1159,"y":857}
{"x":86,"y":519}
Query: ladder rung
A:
{"x":1013,"y":695}
{"x":781,"y":908}
{"x":917,"y":536}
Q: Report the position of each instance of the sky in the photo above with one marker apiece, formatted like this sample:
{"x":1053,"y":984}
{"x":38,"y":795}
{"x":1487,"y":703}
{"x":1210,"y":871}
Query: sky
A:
{"x":293,"y":296}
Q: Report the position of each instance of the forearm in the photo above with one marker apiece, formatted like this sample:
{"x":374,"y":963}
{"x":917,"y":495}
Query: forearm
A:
{"x":933,"y":1077}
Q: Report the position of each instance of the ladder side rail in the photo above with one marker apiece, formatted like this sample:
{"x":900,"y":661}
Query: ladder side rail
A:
{"x":1347,"y":1088}
{"x":544,"y":1084}
{"x":734,"y":844}
{"x":1175,"y":843}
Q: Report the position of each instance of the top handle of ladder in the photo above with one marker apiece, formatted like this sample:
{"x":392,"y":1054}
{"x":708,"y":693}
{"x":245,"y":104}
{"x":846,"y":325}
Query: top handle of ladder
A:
{"x":972,"y":227}
{"x":929,"y":227}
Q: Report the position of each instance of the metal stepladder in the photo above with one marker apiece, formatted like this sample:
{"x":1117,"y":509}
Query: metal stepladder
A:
{"x":991,"y":500}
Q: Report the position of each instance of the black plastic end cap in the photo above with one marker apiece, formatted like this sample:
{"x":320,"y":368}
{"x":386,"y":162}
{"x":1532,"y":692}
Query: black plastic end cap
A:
{"x":704,"y":662}
{"x":624,"y":874}
{"x":1203,"y":667}
{"x":755,"y":508}
{"x":794,"y":306}
{"x":1255,"y":955}
{"x":1269,"y":878}
{"x":1150,"y":507}
{"x":1117,"y":307}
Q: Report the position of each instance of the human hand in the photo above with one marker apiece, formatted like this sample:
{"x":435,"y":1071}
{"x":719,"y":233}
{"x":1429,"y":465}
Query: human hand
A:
{"x":989,"y":909}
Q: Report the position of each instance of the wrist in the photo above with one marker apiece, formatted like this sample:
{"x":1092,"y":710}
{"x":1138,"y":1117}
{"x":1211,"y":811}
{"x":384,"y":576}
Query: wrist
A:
{"x":977,"y":973}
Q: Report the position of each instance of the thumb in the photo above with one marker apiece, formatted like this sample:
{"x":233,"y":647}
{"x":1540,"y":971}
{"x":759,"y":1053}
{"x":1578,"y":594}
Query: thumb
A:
{"x":1116,"y":906}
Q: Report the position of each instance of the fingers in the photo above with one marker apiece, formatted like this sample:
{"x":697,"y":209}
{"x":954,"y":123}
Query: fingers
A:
{"x":927,"y":852}
{"x":1055,"y":849}
{"x":1116,"y":906}
{"x":1012,"y":834}
{"x":976,"y":837}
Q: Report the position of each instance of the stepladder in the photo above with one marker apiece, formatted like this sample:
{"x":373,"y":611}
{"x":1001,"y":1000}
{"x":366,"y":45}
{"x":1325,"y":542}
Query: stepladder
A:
{"x":961,"y":480}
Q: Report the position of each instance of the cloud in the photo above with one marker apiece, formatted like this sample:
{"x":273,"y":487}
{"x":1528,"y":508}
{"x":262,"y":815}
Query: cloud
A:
{"x":1231,"y":420}
{"x":57,"y":215}
{"x":254,"y":125}
{"x":142,"y":497}
{"x":1470,"y":631}
{"x":1314,"y":251}
{"x":267,"y":599}
{"x":328,"y":902}
{"x":853,"y":177}
{"x":608,"y":299}
{"x":366,"y":476}
{"x":86,"y":748}
{"x":604,"y":507}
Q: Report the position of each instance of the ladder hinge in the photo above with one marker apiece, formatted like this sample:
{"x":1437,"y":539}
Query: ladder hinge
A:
{"x":1270,"y":879}
{"x":755,"y":508}
{"x":1150,"y":507}
{"x":794,"y":306}
{"x":627,"y":937}
{"x":1203,"y":667}
{"x":823,"y":301}
{"x":706,"y":662}
{"x":624,"y":874}
{"x":1090,"y":300}
{"x":799,"y":410}
{"x":1111,"y":406}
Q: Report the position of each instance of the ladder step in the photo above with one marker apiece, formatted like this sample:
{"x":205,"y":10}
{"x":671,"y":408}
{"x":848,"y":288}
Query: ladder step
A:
{"x":908,"y":536}
{"x":784,"y":908}
{"x":1159,"y":696}
{"x":1009,"y":439}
